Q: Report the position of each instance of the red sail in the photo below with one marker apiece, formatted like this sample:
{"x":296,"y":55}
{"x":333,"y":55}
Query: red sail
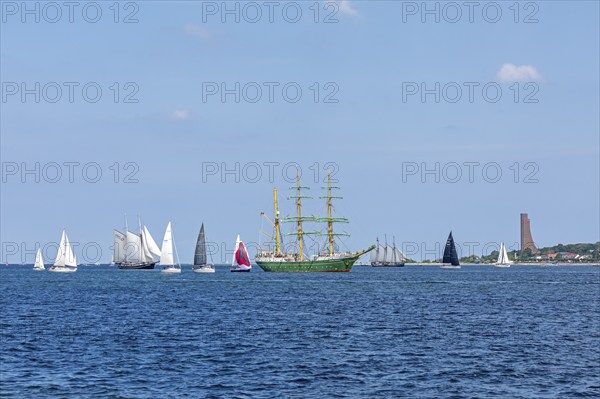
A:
{"x":241,"y":256}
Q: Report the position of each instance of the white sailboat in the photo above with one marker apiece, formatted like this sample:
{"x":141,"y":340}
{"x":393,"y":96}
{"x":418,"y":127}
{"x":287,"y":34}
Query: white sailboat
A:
{"x":39,"y":262}
{"x":503,"y":260}
{"x":65,"y":261}
{"x":166,"y":255}
{"x":241,"y":259}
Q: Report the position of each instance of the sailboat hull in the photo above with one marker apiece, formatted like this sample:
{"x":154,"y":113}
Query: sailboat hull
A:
{"x":136,"y":266}
{"x":449,"y":267}
{"x":171,"y":270}
{"x":62,"y":269}
{"x":378,"y":264}
{"x":501,"y":265}
{"x":204,"y":269}
{"x":325,"y":265}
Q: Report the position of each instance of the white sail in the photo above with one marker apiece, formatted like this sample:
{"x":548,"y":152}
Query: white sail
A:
{"x":237,"y":246}
{"x":505,"y":255}
{"x":389,"y":254}
{"x":119,"y":247}
{"x":64,"y":256}
{"x":503,"y":258}
{"x":374,"y":255}
{"x":399,"y":255}
{"x":146,"y":254}
{"x":60,"y":253}
{"x":166,"y":253}
{"x":134,"y":248}
{"x":152,"y":247}
{"x":39,"y":262}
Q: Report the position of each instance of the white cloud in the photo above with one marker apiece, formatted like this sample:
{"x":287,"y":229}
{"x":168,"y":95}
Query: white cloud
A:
{"x":512,"y":72}
{"x":197,"y":31}
{"x":181,"y":114}
{"x":346,"y":8}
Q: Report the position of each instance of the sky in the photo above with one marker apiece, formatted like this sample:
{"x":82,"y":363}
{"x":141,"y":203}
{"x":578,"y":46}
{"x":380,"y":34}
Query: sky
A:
{"x":432,"y":116}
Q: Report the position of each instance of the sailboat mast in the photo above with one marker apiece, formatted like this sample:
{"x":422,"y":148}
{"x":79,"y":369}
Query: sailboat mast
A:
{"x":299,"y":206}
{"x":277,"y":236}
{"x":329,"y":213}
{"x":126,"y":246}
{"x":394,"y":248}
{"x":141,"y":239}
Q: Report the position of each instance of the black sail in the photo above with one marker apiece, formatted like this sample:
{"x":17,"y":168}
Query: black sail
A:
{"x":450,"y":255}
{"x":200,"y":254}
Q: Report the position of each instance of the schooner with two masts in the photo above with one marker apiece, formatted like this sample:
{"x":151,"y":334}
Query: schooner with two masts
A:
{"x":329,"y":261}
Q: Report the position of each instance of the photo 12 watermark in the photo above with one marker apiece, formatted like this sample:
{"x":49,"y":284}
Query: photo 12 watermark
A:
{"x":469,"y":92}
{"x":471,"y":12}
{"x":268,"y":171}
{"x":254,"y":12}
{"x":69,"y":172}
{"x":470,"y":172}
{"x":270,"y":92}
{"x":69,"y":92}
{"x":69,"y":12}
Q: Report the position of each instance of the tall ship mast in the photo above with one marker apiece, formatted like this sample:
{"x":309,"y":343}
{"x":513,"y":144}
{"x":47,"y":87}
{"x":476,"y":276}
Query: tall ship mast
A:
{"x":323,"y":261}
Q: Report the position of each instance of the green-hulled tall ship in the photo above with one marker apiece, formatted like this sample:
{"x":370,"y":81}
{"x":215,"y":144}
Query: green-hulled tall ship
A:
{"x":329,"y":261}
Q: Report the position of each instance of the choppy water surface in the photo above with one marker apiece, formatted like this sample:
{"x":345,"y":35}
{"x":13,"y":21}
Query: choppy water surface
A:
{"x":523,"y":332}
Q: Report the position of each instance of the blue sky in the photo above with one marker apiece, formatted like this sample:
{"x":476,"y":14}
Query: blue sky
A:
{"x":371,"y":56}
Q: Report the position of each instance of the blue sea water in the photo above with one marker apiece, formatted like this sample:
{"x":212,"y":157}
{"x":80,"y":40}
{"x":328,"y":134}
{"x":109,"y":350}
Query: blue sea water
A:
{"x":416,"y":332}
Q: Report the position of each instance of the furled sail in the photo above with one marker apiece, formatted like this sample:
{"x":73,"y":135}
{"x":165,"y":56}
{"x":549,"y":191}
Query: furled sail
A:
{"x":200,"y":254}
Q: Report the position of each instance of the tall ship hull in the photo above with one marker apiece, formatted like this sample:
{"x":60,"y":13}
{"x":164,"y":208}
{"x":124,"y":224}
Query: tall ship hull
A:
{"x":376,"y":264}
{"x":317,"y":265}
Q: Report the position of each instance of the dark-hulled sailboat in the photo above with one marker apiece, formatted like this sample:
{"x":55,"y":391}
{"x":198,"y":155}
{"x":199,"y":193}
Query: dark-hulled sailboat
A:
{"x":386,"y":256}
{"x":450,"y":259}
{"x":200,"y":260}
{"x":135,"y":251}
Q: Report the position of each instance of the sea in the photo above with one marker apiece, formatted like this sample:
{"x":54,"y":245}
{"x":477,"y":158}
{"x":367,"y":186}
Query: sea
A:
{"x":412,"y":332}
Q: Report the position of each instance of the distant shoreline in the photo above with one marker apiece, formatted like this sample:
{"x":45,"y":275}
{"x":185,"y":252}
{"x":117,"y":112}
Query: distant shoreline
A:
{"x":541,"y":264}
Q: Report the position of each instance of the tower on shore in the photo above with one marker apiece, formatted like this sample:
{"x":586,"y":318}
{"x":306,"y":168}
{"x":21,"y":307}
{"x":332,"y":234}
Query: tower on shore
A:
{"x":526,"y":239}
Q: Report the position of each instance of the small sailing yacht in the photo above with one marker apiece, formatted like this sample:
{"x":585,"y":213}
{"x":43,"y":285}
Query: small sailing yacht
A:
{"x":65,"y":261}
{"x":200,"y":261}
{"x":450,"y":259}
{"x":241,"y":260}
{"x":503,"y":260}
{"x":39,"y":262}
{"x":166,"y":253}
